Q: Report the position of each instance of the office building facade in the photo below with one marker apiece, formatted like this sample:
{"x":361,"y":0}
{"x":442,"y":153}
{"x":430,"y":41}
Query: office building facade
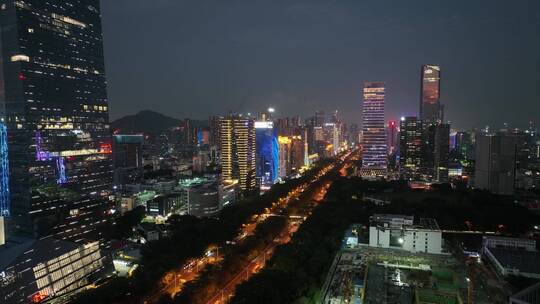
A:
{"x":394,"y":231}
{"x":50,"y":270}
{"x":238,"y":151}
{"x":441,"y":152}
{"x":374,"y":159}
{"x":55,"y":108}
{"x":495,"y":168}
{"x":5,"y":197}
{"x":285,"y":153}
{"x":410,"y":147}
{"x":267,"y":147}
{"x":431,"y":110}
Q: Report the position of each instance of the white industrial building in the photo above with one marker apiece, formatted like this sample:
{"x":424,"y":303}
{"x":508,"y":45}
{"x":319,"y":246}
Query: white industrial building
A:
{"x":400,"y":232}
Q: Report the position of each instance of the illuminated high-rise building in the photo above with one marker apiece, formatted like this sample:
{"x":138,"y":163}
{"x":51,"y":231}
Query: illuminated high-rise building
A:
{"x":267,"y":155}
{"x":55,"y":107}
{"x":410,"y":147}
{"x":5,"y":198}
{"x":374,"y":159}
{"x":285,"y":153}
{"x":332,"y":137}
{"x":238,"y":155}
{"x":392,"y":137}
{"x":431,"y":110}
{"x":299,"y":149}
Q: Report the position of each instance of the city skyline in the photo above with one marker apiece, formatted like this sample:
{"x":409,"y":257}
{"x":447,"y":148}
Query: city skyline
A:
{"x":271,"y":176}
{"x":305,"y":56}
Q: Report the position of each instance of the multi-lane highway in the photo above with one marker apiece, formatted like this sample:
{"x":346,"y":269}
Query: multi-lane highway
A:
{"x":255,"y":265}
{"x":174,"y":281}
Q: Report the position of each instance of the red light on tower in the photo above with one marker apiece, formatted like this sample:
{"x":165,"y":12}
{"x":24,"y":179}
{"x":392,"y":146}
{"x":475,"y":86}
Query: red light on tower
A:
{"x":22,"y":77}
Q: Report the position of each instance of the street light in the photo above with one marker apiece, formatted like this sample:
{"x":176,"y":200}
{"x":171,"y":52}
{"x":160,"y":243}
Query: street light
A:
{"x":469,"y":290}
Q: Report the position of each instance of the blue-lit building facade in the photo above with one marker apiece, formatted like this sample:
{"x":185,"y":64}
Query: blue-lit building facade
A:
{"x":374,"y":144}
{"x":4,"y":174}
{"x":267,"y":155}
{"x":55,"y":108}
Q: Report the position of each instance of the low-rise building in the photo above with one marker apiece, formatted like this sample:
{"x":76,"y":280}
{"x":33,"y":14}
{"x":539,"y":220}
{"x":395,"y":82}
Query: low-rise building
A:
{"x":206,"y":196}
{"x":162,"y":205}
{"x":512,"y":256}
{"x":400,"y":232}
{"x":126,"y":260}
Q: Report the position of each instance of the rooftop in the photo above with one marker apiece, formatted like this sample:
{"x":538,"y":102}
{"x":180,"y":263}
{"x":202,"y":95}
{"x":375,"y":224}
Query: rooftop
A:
{"x":12,"y":249}
{"x":525,"y":261}
{"x":403,"y":221}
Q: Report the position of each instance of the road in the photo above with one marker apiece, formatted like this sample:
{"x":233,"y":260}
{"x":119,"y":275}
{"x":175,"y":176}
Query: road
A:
{"x":258,"y":263}
{"x":254,"y":266}
{"x":174,"y":281}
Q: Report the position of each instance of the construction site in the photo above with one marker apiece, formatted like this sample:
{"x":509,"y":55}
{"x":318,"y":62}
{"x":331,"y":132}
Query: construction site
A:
{"x":371,"y":275}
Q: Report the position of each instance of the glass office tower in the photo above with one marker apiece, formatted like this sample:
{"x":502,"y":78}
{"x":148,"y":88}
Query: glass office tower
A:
{"x":374,"y":159}
{"x":410,"y":147}
{"x":267,"y":153}
{"x":431,"y":110}
{"x":54,"y":104}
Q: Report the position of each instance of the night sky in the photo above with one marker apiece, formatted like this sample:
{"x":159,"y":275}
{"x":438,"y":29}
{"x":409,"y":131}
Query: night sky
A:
{"x":195,"y":58}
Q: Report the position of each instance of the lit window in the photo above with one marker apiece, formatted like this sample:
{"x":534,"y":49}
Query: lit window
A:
{"x":16,"y":58}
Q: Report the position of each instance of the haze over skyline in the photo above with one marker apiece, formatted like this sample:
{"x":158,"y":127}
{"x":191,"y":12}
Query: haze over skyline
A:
{"x":199,"y":58}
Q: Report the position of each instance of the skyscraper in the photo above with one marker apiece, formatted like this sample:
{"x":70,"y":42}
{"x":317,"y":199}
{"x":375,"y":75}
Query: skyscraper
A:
{"x":285,"y":165}
{"x":5,"y":199}
{"x":431,"y":110}
{"x":496,"y":157}
{"x":392,"y":137}
{"x":213,"y":121}
{"x":267,"y":156}
{"x":56,"y":111}
{"x":436,"y":134}
{"x":299,"y":149}
{"x":54,"y":105}
{"x":374,"y":160}
{"x":441,"y":152}
{"x":332,"y":134}
{"x":410,"y":147}
{"x":128,"y":158}
{"x":238,"y":151}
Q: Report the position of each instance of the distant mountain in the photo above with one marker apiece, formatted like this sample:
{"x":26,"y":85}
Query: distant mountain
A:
{"x":149,"y":122}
